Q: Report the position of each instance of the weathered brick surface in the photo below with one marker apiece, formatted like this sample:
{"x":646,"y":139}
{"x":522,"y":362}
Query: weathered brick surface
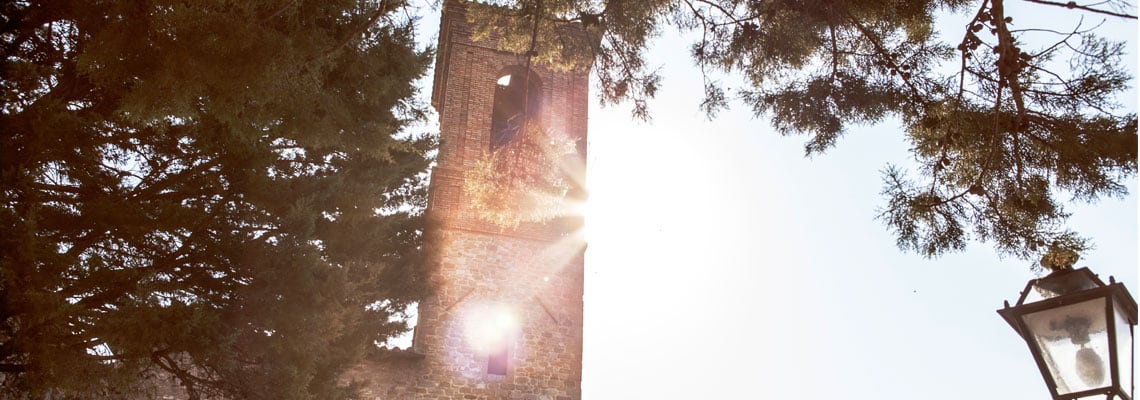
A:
{"x":534,"y":270}
{"x":539,"y":281}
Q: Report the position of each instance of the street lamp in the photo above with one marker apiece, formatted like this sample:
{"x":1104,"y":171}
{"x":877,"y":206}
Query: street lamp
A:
{"x":1079,"y":331}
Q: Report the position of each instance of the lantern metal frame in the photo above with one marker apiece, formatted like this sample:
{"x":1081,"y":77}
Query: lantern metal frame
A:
{"x":1117,"y":302}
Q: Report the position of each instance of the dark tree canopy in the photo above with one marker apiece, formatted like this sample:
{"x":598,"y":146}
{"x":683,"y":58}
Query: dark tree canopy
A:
{"x":1008,"y":122}
{"x":219,"y":192}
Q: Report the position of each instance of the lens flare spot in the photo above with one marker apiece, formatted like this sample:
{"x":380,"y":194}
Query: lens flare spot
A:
{"x":490,"y":327}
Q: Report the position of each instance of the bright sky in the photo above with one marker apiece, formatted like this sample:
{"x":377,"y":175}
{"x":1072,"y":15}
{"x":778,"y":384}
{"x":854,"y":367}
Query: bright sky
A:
{"x":723,"y":264}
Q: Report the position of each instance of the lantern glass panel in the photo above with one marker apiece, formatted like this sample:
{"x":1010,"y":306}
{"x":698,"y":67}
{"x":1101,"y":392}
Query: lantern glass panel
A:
{"x":1073,"y":343}
{"x":1123,"y":347}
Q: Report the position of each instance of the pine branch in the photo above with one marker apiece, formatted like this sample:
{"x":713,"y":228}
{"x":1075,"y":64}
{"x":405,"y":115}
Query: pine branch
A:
{"x":1074,"y":5}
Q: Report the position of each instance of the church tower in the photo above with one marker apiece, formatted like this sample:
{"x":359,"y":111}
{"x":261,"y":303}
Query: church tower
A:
{"x":503,"y":319}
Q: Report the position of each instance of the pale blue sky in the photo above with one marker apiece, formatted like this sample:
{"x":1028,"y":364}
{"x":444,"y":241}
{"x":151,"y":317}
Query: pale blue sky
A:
{"x":723,"y":264}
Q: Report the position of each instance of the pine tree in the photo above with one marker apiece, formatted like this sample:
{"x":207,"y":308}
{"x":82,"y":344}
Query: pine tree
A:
{"x":221,"y":193}
{"x":1001,"y":125}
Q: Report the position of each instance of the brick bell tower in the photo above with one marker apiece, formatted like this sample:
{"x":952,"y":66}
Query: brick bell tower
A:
{"x":504,"y":316}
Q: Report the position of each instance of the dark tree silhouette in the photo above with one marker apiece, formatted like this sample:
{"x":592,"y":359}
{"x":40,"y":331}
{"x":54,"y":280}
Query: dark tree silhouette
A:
{"x":217,"y":192}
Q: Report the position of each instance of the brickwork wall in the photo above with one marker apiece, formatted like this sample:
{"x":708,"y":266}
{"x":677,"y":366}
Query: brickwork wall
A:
{"x":538,"y":281}
{"x":535,"y":270}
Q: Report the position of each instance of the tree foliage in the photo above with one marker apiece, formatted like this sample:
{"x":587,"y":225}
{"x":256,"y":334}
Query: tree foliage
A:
{"x":526,"y":180}
{"x":216,"y":192}
{"x":1005,"y":121}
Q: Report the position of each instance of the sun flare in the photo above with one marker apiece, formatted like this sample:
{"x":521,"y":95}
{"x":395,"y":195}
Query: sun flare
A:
{"x":490,"y":326}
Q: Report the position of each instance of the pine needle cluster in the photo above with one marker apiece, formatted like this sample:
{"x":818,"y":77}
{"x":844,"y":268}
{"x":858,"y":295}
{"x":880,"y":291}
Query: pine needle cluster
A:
{"x":525,"y":180}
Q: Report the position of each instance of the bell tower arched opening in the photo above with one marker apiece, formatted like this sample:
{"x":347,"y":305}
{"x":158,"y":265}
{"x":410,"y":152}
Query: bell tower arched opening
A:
{"x":518,"y":99}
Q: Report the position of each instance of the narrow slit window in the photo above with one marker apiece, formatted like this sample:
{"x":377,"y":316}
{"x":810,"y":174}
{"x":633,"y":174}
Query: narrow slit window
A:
{"x":497,"y":361}
{"x":516,"y":101}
